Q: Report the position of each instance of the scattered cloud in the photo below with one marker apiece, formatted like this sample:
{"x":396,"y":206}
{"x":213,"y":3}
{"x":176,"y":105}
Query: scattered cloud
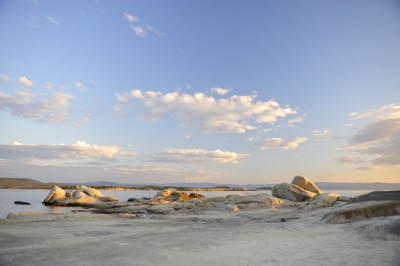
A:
{"x":4,"y":79}
{"x":33,"y":22}
{"x":279,"y":143}
{"x":188,"y":86}
{"x":83,"y":13}
{"x":348,"y":125}
{"x":298,"y":119}
{"x":196,"y":156}
{"x":92,"y":81}
{"x":200,"y":111}
{"x":130,"y":17}
{"x":78,"y":150}
{"x":46,"y":108}
{"x":84,"y":120}
{"x":26,"y":82}
{"x":138,"y":30}
{"x":33,"y":1}
{"x":379,"y":137}
{"x":322,"y":135}
{"x":369,"y":168}
{"x":53,"y":20}
{"x":186,"y":136}
{"x":348,"y":160}
{"x":219,"y":90}
{"x":81,"y":87}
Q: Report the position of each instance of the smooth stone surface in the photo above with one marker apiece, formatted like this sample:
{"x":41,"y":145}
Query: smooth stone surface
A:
{"x":292,"y":192}
{"x":306,"y":184}
{"x":378,"y":195}
{"x":359,"y":211}
{"x":322,"y":201}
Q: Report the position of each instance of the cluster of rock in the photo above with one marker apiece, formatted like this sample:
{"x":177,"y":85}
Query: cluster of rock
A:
{"x":82,"y":196}
{"x":301,"y":194}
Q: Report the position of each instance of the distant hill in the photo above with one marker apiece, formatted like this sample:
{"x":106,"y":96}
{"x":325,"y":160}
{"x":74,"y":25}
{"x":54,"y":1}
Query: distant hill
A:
{"x":26,"y":183}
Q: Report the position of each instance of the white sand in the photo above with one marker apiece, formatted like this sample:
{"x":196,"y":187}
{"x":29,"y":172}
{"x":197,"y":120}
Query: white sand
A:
{"x":209,"y":238}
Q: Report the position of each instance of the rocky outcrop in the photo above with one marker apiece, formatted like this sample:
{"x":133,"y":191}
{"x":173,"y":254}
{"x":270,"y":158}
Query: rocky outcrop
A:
{"x":304,"y":183}
{"x":292,"y":192}
{"x":83,"y":196}
{"x":377,"y":196}
{"x":322,"y":201}
{"x":55,"y":193}
{"x":364,"y":210}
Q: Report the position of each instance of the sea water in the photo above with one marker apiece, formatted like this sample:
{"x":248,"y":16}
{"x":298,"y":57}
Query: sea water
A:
{"x":36,"y":197}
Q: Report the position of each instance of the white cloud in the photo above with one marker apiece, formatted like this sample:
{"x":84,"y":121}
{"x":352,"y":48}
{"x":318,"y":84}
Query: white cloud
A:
{"x":348,"y":125}
{"x":188,"y":86}
{"x":83,"y":13}
{"x":322,"y":135}
{"x":53,"y":20}
{"x":92,"y":81}
{"x":78,"y":150}
{"x":81,"y":87}
{"x":130,"y":17}
{"x":46,"y":108}
{"x":279,"y":143}
{"x":4,"y":79}
{"x":380,"y":137}
{"x":219,"y":90}
{"x":138,"y":30}
{"x":26,"y":82}
{"x":298,"y":119}
{"x":202,"y":112}
{"x":186,"y":136}
{"x":84,"y":120}
{"x":196,"y":156}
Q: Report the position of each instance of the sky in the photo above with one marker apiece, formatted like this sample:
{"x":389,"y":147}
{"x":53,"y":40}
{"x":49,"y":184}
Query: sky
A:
{"x":228,"y":92}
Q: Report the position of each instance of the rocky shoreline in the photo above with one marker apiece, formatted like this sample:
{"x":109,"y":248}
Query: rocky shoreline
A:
{"x":174,"y":227}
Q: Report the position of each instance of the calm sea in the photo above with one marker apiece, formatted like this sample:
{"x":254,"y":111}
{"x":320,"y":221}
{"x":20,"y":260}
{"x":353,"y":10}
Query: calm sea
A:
{"x":35,"y":197}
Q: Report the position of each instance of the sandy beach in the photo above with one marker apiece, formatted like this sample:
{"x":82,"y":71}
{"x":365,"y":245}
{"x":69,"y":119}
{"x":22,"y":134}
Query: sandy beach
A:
{"x":255,"y":237}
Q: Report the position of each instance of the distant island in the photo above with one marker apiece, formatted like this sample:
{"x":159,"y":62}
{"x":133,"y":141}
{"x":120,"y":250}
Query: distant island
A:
{"x":26,"y":183}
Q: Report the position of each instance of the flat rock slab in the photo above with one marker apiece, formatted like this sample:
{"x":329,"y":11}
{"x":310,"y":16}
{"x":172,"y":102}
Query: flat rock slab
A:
{"x":378,"y":195}
{"x":361,"y":211}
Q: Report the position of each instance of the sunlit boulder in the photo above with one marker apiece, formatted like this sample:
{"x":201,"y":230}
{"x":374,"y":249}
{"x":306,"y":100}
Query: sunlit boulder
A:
{"x":292,"y":192}
{"x":55,"y":193}
{"x":304,"y":183}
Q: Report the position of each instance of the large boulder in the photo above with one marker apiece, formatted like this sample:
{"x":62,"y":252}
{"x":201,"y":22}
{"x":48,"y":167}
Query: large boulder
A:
{"x":88,"y":191}
{"x":292,"y":192}
{"x":377,"y":196}
{"x":86,"y":201}
{"x":304,"y":183}
{"x":177,"y":196}
{"x":55,"y":193}
{"x":364,"y":210}
{"x":322,"y":201}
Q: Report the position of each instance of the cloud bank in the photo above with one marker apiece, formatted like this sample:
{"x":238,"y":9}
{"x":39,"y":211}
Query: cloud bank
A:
{"x":78,"y":150}
{"x":196,"y":156}
{"x":201,"y":112}
{"x":44,"y":108}
{"x":379,"y":137}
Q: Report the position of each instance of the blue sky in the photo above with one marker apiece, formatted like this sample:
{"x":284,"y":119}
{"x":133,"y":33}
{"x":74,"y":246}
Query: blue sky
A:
{"x":200,"y":91}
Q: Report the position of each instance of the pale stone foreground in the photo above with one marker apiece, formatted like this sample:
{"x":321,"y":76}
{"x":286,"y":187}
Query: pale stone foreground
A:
{"x":173,"y":229}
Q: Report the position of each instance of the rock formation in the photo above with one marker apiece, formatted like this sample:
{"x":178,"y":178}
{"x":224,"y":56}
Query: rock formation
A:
{"x":364,"y":210}
{"x":83,"y":196}
{"x":377,"y":195}
{"x":292,"y":192}
{"x":304,"y":183}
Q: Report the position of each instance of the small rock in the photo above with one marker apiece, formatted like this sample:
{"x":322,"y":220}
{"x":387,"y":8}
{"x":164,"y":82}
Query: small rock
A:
{"x":21,"y":202}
